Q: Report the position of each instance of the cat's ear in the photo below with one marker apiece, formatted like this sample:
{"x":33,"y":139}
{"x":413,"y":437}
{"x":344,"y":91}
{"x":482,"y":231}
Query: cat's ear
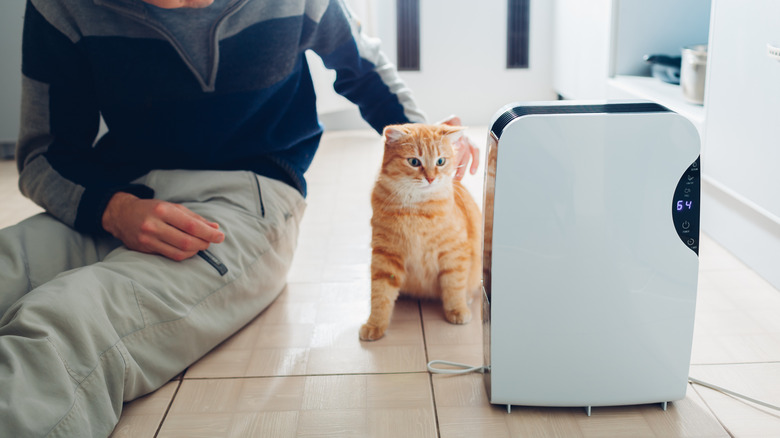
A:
{"x":452,"y":133}
{"x":393,"y":134}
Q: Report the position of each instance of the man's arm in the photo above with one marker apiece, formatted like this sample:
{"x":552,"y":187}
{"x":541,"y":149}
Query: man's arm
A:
{"x":60,"y":170}
{"x":364,"y":75}
{"x":58,"y":167}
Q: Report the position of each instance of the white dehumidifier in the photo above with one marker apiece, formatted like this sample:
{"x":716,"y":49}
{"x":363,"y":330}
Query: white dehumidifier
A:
{"x":590,"y":254}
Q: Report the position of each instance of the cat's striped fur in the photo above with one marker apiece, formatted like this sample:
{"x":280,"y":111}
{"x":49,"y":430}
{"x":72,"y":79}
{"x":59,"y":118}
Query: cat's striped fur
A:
{"x":426,"y":227}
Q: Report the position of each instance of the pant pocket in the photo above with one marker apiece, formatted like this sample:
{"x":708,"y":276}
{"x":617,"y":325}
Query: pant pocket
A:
{"x":261,"y":205}
{"x":278,"y":202}
{"x":214,"y":261}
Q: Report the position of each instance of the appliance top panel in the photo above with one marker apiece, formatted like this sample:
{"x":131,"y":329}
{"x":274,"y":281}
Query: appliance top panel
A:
{"x":516,"y":110}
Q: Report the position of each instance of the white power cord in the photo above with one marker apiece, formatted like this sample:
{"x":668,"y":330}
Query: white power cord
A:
{"x":465,"y":369}
{"x":735,"y":394}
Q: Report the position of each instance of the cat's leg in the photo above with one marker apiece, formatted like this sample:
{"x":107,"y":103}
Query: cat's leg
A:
{"x":453,"y":281}
{"x":387,"y":275}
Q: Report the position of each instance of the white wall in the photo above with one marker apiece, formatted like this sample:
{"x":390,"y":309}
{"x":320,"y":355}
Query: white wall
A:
{"x":11,"y":16}
{"x":581,"y":48}
{"x":463,"y":59}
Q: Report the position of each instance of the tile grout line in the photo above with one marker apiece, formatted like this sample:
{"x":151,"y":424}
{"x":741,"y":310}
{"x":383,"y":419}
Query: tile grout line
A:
{"x":170,"y":405}
{"x":430,"y":376}
{"x":712,"y":411}
{"x":389,"y":373}
{"x":734,"y":363}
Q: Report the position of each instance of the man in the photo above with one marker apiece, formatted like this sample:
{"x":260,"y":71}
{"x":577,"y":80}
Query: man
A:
{"x":178,"y":226}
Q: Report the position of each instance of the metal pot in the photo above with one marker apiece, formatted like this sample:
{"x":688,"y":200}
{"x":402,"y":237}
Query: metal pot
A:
{"x":693,"y":71}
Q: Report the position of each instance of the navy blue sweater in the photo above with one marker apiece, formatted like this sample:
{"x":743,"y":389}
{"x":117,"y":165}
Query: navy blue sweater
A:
{"x":248,"y":104}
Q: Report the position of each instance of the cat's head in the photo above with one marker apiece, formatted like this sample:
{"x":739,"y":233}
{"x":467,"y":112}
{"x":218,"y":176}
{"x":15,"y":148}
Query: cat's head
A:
{"x":420,"y":157}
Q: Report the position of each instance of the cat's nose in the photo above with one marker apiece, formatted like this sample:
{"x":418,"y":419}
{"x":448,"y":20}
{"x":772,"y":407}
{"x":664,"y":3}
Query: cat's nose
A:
{"x":430,"y":179}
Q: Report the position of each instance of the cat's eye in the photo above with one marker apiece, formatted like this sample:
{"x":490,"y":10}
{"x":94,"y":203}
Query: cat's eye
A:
{"x":440,"y":162}
{"x":415,"y":162}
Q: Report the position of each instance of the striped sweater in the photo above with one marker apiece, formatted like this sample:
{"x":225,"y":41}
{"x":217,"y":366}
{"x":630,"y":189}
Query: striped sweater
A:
{"x":241,"y":100}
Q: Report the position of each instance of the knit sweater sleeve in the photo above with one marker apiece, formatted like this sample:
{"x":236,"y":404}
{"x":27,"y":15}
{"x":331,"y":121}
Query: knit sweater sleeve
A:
{"x":364,"y":74}
{"x":58,"y":167}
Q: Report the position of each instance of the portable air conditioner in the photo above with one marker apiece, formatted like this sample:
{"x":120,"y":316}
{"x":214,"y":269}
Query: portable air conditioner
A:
{"x":590,"y":254}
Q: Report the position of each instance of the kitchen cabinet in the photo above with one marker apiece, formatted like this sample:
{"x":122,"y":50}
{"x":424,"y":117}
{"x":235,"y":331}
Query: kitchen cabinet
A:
{"x":659,"y":27}
{"x":741,"y":163}
{"x":738,"y":119}
{"x":600,"y":47}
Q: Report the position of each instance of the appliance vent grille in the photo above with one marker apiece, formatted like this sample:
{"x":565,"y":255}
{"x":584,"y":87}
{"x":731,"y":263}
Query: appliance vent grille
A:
{"x":522,"y":110}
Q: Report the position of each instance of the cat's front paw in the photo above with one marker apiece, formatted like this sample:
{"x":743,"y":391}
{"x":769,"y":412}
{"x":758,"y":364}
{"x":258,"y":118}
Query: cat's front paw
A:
{"x":371,"y":332}
{"x":458,"y":316}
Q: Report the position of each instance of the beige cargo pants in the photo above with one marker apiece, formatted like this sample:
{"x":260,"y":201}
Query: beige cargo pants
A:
{"x":87,"y":324}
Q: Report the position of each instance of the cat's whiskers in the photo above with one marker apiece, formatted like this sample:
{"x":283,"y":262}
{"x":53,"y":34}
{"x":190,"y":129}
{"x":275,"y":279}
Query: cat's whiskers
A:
{"x":408,"y":193}
{"x":398,"y":192}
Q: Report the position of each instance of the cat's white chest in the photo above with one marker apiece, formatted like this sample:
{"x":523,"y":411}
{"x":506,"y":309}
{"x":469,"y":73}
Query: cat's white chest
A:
{"x":422,"y":269}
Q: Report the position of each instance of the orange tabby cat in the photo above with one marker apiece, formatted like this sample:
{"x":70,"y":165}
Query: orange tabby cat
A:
{"x":425,"y":227}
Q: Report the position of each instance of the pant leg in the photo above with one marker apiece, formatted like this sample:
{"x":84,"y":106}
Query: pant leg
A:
{"x":41,"y":237}
{"x":73,"y":349}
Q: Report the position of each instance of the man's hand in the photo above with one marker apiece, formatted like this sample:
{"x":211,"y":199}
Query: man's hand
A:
{"x":465,"y":150}
{"x":158,"y":227}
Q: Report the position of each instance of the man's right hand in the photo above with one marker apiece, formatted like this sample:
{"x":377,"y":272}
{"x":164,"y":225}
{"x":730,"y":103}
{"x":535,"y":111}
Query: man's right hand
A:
{"x":158,"y":227}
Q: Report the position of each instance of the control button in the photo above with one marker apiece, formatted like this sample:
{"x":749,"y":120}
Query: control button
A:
{"x":686,"y":225}
{"x":695,"y":165}
{"x":690,"y":242}
{"x":686,"y":191}
{"x":691,"y":177}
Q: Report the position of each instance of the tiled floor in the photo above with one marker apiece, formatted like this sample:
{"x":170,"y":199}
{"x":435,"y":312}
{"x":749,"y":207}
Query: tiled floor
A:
{"x":299,"y":369}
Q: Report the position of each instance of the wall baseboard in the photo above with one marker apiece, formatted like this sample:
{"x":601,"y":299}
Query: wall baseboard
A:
{"x":7,"y":149}
{"x":343,"y":120}
{"x":751,"y":236}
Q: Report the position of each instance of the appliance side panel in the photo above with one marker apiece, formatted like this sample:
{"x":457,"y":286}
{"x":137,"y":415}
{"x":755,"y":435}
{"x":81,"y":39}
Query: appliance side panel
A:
{"x":593,"y":291}
{"x":487,"y":251}
{"x":488,"y":204}
{"x":486,"y":342}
